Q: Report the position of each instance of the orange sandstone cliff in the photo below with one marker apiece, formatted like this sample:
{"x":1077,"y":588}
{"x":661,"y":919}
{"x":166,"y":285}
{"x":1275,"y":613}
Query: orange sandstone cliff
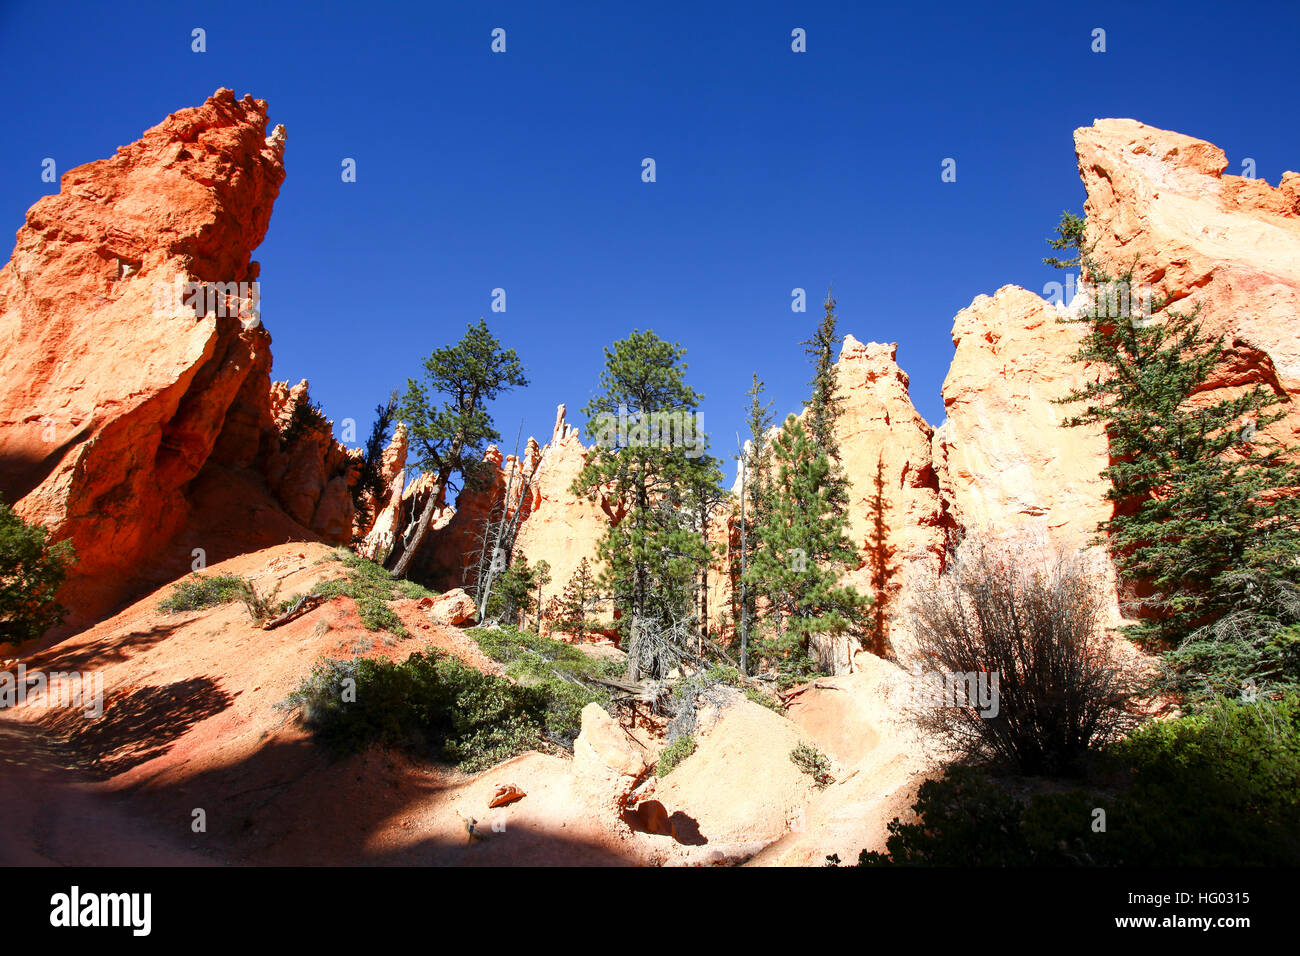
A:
{"x":136,"y":419}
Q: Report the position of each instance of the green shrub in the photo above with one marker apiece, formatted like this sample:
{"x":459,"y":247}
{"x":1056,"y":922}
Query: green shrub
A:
{"x":1219,"y":788}
{"x":725,"y":674}
{"x":199,"y":592}
{"x":674,"y":753}
{"x":203,"y":591}
{"x":559,"y":672}
{"x":795,"y":668}
{"x":814,"y":763}
{"x":371,"y":587}
{"x":758,"y":697}
{"x":31,"y":572}
{"x":430,"y":704}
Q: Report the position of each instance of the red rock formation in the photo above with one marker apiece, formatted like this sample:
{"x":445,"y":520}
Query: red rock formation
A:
{"x":1228,"y":243}
{"x":561,"y":528}
{"x":1006,"y":461}
{"x":133,"y":358}
{"x":378,"y":542}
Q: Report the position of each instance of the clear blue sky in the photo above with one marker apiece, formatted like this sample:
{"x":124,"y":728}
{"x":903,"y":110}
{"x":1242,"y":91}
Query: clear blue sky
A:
{"x":522,"y":170}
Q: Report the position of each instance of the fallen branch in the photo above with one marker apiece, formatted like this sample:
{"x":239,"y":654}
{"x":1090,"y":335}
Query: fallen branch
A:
{"x":791,"y":695}
{"x":300,"y":607}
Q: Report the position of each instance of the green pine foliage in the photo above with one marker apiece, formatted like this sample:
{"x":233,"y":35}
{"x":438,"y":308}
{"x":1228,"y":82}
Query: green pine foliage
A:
{"x":307,"y":418}
{"x":802,"y":545}
{"x":445,"y":412}
{"x":1069,"y":237}
{"x":571,"y":611}
{"x":756,"y":489}
{"x":447,"y":419}
{"x":652,"y":555}
{"x":368,"y":492}
{"x":514,"y":591}
{"x":32,"y":568}
{"x":1207,"y":516}
{"x":803,"y":549}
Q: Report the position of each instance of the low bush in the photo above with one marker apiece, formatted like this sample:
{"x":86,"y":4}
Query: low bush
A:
{"x":430,"y":704}
{"x":559,"y":672}
{"x":674,"y":754}
{"x":1030,"y":616}
{"x":1218,"y":788}
{"x":371,"y":587}
{"x":31,"y":572}
{"x":202,"y":591}
{"x":814,"y":763}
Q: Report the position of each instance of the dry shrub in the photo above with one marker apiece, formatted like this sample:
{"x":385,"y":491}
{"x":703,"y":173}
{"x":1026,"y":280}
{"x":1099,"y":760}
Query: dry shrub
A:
{"x":1033,"y":614}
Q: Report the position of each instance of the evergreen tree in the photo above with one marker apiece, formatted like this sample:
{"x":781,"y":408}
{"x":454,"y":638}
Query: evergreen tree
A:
{"x":1069,"y":237}
{"x":581,"y":596}
{"x":369,"y":488}
{"x":450,"y":437}
{"x":541,"y":578}
{"x":880,"y":558}
{"x":703,"y":493}
{"x":1207,"y":519}
{"x":31,"y":571}
{"x":803,"y":549}
{"x":823,"y":406}
{"x":651,"y":556}
{"x":823,"y":409}
{"x":754,"y":489}
{"x":512,"y":592}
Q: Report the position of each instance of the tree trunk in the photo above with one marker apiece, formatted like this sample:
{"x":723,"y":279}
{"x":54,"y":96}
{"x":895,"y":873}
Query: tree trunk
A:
{"x":427,"y":515}
{"x":421,"y":529}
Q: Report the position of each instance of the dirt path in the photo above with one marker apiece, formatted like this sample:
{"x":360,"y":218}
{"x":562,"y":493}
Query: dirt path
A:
{"x":55,"y":815}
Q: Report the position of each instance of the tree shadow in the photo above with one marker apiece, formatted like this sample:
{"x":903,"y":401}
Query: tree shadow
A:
{"x":105,"y":650}
{"x":138,"y":725}
{"x":881,"y":564}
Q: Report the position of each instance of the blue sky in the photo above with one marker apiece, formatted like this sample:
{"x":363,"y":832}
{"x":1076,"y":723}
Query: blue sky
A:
{"x":522,"y":170}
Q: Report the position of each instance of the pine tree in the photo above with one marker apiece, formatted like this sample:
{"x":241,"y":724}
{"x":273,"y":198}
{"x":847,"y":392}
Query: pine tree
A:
{"x":369,"y":488}
{"x":541,"y":578}
{"x":753,"y":511}
{"x":803,"y":548}
{"x":651,"y":556}
{"x":512,"y":592}
{"x":1207,"y":516}
{"x":1069,"y":237}
{"x":703,"y":493}
{"x":450,"y":437}
{"x":824,"y":406}
{"x":581,"y":596}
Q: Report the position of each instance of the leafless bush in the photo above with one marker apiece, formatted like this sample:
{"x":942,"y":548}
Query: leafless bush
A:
{"x":1028,"y":620}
